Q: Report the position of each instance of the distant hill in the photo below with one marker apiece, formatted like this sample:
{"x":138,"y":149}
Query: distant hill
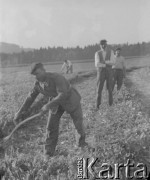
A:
{"x":12,"y":48}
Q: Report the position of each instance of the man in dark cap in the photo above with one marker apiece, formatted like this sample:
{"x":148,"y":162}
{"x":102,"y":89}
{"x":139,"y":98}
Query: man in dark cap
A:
{"x":103,"y":63}
{"x":119,"y":69}
{"x":62,"y":97}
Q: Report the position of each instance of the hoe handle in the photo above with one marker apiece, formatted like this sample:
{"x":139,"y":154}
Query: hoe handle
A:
{"x":5,"y":139}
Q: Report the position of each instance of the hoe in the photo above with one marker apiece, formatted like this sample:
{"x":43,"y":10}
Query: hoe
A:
{"x":5,"y":141}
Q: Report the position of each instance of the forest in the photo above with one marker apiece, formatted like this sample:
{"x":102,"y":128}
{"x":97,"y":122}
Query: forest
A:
{"x":55,"y":54}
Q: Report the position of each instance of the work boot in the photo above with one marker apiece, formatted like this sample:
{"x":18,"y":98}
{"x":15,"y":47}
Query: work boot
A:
{"x":48,"y":154}
{"x":82,"y":142}
{"x":97,"y":105}
{"x":47,"y":157}
{"x":97,"y":108}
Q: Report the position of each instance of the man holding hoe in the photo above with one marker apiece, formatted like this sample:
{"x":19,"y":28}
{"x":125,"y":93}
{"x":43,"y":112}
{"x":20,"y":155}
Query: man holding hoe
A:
{"x":62,"y":97}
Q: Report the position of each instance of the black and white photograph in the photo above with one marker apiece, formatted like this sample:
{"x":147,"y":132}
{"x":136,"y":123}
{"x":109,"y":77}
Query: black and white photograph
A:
{"x":74,"y":89}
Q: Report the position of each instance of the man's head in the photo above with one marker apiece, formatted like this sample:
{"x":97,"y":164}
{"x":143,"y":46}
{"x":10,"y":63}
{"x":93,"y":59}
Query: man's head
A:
{"x":103,"y":44}
{"x":117,"y":51}
{"x":37,"y":69}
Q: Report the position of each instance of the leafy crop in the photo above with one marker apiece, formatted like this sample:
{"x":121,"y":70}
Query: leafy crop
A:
{"x":117,"y":133}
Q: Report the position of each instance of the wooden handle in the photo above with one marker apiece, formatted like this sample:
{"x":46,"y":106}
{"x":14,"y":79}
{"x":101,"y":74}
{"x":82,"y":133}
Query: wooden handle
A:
{"x":4,"y":141}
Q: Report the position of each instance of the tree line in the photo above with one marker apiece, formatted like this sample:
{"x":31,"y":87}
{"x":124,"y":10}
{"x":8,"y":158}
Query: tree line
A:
{"x":54,"y":54}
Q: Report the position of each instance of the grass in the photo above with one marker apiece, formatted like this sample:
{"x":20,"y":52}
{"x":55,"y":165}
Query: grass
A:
{"x":118,"y":133}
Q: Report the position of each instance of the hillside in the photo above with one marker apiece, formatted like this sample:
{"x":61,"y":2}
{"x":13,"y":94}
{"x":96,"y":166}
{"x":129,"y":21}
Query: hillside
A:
{"x":11,"y":48}
{"x":55,"y":54}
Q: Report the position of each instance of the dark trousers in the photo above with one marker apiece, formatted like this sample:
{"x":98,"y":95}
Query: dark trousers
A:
{"x":104,"y":74}
{"x":117,"y":78}
{"x":53,"y":128}
{"x":69,"y":69}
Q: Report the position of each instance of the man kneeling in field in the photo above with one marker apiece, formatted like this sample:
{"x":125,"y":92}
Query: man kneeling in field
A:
{"x":62,"y":97}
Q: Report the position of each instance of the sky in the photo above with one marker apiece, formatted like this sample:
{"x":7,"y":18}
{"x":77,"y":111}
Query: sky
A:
{"x":71,"y":23}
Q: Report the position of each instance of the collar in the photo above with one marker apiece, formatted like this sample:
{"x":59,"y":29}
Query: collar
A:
{"x":117,"y":56}
{"x":44,"y":79}
{"x":104,"y":50}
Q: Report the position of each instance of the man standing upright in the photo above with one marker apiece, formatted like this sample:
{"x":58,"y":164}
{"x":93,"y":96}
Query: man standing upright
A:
{"x":103,"y":63}
{"x":119,"y":69}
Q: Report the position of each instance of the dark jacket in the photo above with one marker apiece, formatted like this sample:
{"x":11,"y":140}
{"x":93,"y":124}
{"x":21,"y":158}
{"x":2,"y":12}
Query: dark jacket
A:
{"x":57,"y":88}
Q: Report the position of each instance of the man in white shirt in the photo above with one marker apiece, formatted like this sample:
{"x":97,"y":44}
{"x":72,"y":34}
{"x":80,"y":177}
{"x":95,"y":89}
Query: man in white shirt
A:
{"x":119,"y":69}
{"x":104,"y":59}
{"x":68,"y":65}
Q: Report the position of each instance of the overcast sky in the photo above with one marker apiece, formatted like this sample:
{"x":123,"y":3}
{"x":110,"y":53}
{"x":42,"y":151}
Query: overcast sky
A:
{"x":43,"y":23}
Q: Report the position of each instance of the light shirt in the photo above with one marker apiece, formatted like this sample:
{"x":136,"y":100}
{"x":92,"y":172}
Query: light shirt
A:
{"x":97,"y":59}
{"x":119,"y":62}
{"x":69,"y":63}
{"x":43,"y":84}
{"x":66,"y":64}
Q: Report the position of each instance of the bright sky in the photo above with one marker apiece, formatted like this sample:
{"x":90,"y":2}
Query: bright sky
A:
{"x":43,"y":23}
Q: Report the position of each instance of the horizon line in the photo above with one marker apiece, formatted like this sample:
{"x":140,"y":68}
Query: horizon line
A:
{"x":55,"y":46}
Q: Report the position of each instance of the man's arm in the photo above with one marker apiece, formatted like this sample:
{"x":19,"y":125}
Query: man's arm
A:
{"x":63,"y":66}
{"x":97,"y":61}
{"x":69,"y":63}
{"x":62,"y":91}
{"x":28,"y":101}
{"x":112,"y":59}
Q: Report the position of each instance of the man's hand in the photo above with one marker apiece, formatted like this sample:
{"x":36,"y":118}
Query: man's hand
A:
{"x":108,"y":63}
{"x":18,"y":116}
{"x":44,"y":108}
{"x":101,"y":65}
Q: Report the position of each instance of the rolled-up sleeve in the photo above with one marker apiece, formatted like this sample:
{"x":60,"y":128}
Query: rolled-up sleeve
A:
{"x":30,"y":98}
{"x":97,"y":61}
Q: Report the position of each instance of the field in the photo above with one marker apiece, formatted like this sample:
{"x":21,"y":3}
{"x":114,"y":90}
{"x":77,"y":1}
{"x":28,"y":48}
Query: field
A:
{"x":118,"y":133}
{"x":80,"y":65}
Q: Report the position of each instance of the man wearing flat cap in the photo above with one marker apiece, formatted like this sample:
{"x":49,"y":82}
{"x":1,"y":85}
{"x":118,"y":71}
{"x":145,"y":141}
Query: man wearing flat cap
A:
{"x":62,"y":97}
{"x":119,"y":69}
{"x":103,"y":63}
